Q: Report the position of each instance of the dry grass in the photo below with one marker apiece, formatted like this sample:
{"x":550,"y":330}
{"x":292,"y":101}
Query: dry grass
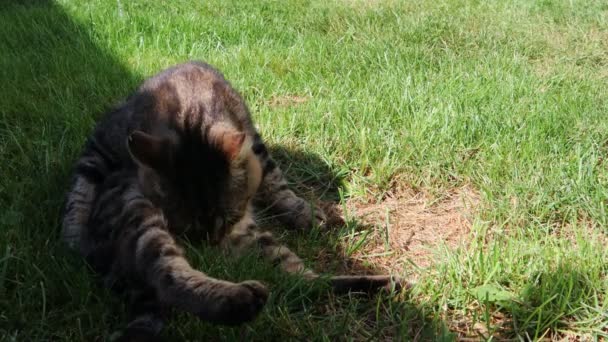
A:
{"x":572,"y":53}
{"x":407,"y":226}
{"x":283,"y":101}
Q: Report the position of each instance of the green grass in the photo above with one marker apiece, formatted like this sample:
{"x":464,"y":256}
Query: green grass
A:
{"x":508,"y":97}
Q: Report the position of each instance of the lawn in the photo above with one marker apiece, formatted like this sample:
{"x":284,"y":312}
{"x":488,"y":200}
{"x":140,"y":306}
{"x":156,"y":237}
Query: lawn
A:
{"x":462,"y":143}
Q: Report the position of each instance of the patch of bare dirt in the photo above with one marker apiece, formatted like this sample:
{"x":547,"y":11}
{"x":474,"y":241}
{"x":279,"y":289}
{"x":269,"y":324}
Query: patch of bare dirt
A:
{"x":407,"y":226}
{"x":362,"y":3}
{"x":286,"y":100}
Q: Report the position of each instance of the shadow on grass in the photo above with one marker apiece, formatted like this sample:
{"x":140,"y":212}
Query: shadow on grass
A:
{"x":364,"y":318}
{"x":546,"y":304}
{"x":561,"y":302}
{"x":54,"y":82}
{"x":55,"y":79}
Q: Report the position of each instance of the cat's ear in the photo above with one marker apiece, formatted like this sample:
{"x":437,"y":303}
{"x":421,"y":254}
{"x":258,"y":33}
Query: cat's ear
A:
{"x":149,"y":150}
{"x":232,"y":144}
{"x":230,"y":141}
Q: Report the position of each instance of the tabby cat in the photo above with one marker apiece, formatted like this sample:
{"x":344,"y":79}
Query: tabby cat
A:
{"x":182,"y":156}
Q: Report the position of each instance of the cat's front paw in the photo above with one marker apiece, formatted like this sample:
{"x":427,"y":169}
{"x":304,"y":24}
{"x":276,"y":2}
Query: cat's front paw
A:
{"x":240,"y":303}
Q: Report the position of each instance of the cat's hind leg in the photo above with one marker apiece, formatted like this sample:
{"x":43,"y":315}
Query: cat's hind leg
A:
{"x":91,"y":170}
{"x":77,"y":209}
{"x":96,"y":163}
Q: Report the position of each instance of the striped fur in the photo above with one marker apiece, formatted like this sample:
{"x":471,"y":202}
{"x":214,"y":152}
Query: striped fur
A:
{"x":182,"y":156}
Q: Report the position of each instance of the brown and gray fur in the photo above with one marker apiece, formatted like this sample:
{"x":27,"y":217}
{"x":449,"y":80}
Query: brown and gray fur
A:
{"x":182,"y":156}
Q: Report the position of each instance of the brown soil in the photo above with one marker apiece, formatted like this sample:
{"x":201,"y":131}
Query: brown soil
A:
{"x":286,"y":100}
{"x":407,"y":226}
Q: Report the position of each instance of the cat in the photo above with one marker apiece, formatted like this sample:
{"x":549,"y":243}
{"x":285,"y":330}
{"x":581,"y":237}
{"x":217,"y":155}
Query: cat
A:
{"x":182,"y":156}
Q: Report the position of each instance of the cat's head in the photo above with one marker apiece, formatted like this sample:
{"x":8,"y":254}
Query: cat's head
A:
{"x":209,"y":174}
